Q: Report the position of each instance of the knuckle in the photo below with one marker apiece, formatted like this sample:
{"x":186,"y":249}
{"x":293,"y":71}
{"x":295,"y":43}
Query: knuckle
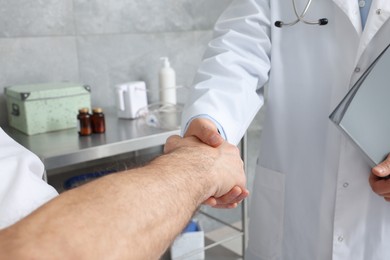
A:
{"x":171,"y":138}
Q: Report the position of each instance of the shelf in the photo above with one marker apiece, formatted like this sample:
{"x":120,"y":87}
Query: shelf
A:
{"x":64,"y":148}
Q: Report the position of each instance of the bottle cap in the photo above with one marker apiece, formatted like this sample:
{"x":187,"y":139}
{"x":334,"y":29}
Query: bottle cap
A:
{"x":166,"y":62}
{"x":97,"y":110}
{"x":84,"y":110}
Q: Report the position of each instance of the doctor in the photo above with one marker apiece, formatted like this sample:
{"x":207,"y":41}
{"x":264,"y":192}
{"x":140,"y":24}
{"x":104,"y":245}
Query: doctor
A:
{"x":312,"y":197}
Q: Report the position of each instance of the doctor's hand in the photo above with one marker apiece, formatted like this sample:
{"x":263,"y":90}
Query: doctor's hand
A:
{"x":379,"y":179}
{"x":222,"y":165}
{"x":206,"y":131}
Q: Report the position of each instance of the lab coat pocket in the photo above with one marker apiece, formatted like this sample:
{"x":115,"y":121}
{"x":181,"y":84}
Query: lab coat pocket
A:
{"x":266,"y":215}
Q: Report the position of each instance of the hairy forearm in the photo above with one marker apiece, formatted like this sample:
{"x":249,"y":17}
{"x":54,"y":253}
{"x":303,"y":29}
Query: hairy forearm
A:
{"x":129,"y":215}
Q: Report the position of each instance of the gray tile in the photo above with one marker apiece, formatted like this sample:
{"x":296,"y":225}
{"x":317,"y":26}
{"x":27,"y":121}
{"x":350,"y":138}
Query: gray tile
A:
{"x":3,"y":112}
{"x":123,"y":16}
{"x":108,"y":60}
{"x":35,"y":60}
{"x":36,"y":18}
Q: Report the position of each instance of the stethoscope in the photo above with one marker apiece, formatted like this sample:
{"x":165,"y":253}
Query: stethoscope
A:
{"x":322,"y":21}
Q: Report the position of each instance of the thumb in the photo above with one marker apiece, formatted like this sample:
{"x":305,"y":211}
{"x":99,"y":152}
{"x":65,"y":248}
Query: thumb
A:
{"x":382,"y":169}
{"x":205,"y":130}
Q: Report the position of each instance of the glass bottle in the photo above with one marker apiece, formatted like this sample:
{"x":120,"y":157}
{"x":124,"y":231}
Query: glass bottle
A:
{"x":84,"y":119}
{"x":98,"y":121}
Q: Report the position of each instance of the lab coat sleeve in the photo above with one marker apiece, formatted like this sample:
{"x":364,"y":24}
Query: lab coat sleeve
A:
{"x":236,"y":65}
{"x":22,"y":189}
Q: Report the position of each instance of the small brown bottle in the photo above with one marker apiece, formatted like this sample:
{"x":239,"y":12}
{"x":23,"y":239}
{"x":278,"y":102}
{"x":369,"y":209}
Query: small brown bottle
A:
{"x":98,"y":121}
{"x":85,"y":127}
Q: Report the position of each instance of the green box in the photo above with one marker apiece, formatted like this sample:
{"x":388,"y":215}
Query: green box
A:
{"x":41,"y":108}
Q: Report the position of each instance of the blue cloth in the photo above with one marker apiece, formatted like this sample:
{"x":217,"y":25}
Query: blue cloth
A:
{"x":191,"y":227}
{"x":364,"y":11}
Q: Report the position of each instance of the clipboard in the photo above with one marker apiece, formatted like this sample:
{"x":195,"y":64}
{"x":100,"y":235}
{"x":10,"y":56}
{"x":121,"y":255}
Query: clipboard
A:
{"x":364,"y":113}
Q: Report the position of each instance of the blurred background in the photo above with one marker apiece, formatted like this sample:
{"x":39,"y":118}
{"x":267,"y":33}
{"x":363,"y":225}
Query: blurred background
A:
{"x":104,"y":43}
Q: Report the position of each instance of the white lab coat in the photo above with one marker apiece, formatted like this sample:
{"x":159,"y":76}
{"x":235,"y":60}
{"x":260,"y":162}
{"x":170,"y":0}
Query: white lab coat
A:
{"x":311,"y":197}
{"x":22,"y":189}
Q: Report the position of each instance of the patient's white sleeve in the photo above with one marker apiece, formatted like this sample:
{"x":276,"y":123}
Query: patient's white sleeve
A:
{"x":22,"y":189}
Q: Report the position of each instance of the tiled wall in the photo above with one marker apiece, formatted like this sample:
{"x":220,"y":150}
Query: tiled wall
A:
{"x":102,"y":43}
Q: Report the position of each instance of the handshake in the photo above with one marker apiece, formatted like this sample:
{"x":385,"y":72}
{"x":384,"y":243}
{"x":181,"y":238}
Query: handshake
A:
{"x":212,"y":160}
{"x":137,"y":212}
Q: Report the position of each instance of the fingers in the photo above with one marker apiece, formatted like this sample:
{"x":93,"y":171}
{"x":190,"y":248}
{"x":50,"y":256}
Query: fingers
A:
{"x":382,"y":169}
{"x":380,"y":186}
{"x":232,"y":198}
{"x":226,"y":206}
{"x":205,"y":130}
{"x":229,"y":200}
{"x":210,"y":202}
{"x":379,"y":179}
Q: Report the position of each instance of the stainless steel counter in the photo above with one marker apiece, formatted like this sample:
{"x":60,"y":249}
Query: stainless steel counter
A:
{"x":64,"y":148}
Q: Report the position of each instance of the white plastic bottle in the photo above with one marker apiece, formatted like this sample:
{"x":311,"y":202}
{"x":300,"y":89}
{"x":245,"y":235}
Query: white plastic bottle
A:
{"x":167,"y":80}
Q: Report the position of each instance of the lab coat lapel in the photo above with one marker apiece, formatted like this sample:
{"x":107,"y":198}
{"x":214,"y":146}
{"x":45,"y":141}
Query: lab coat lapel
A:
{"x":378,"y":15}
{"x":351,"y":10}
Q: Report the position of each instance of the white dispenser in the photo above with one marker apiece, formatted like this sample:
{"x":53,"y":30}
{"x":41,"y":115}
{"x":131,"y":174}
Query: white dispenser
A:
{"x":167,"y":80}
{"x":130,"y":98}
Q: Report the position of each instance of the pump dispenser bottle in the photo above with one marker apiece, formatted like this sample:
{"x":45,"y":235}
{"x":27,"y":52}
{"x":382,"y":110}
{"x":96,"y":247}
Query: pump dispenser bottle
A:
{"x":167,"y":80}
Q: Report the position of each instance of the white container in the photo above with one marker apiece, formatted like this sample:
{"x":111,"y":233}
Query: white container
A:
{"x":130,"y":99}
{"x":189,"y":245}
{"x":167,"y":80}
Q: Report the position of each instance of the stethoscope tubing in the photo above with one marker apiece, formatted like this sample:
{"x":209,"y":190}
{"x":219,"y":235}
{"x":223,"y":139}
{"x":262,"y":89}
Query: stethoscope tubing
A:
{"x":300,"y":17}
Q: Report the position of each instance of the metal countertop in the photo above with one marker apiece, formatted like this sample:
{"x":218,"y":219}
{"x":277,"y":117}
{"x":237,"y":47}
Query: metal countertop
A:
{"x":64,"y":148}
